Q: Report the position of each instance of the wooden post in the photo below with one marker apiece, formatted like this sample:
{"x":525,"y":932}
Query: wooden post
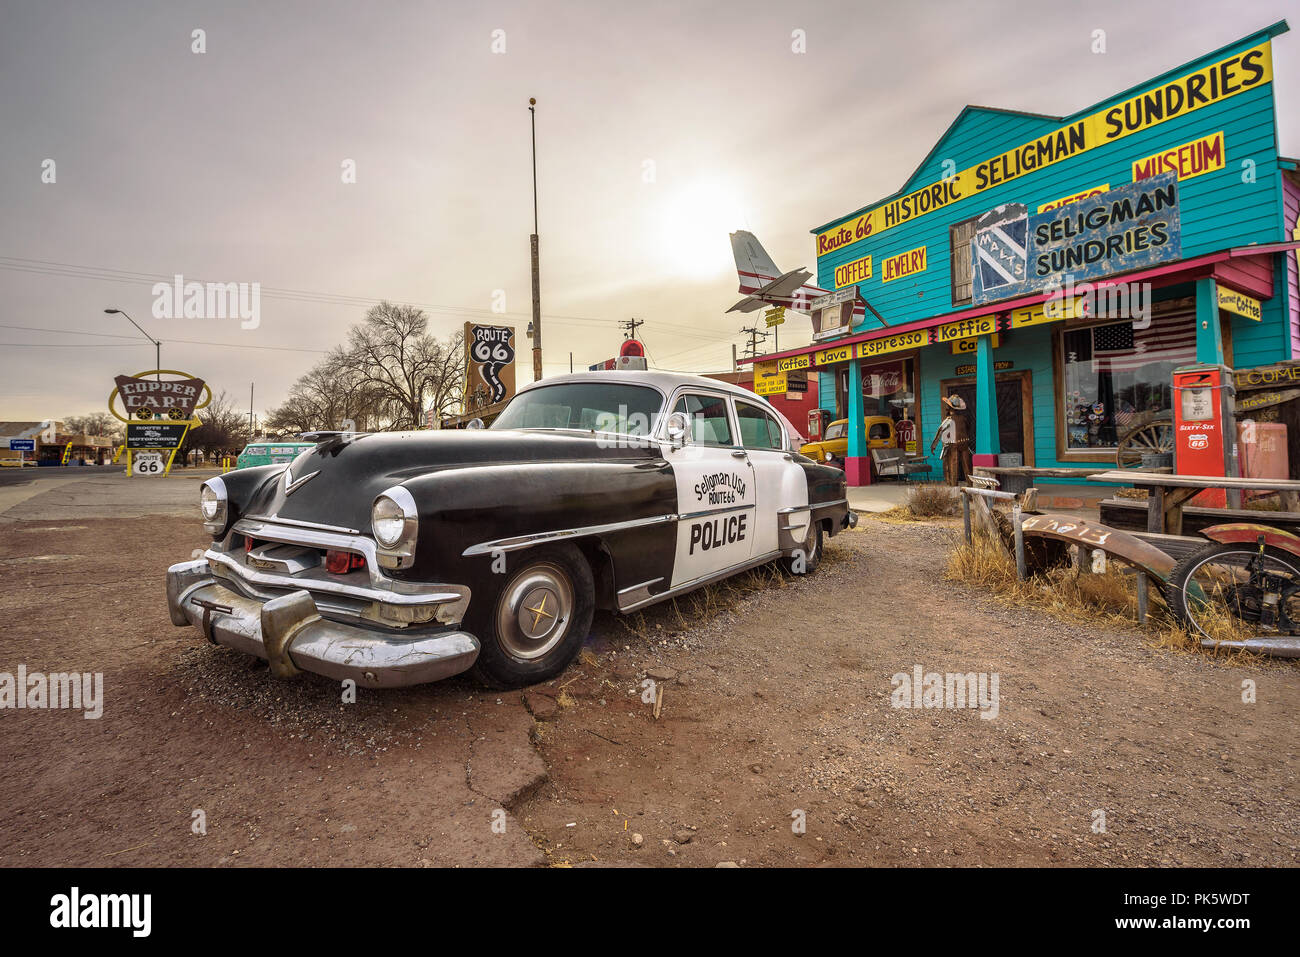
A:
{"x":1142,"y":596}
{"x":965,"y":514}
{"x":1019,"y":532}
{"x":1156,"y":509}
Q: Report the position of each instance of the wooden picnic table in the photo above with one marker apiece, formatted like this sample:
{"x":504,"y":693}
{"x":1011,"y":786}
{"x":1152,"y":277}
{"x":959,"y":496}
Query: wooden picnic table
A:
{"x":1018,"y":478}
{"x":1167,"y":493}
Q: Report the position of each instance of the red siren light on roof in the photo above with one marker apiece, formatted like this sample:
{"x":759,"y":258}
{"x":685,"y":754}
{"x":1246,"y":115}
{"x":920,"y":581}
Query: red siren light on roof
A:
{"x":631,"y":347}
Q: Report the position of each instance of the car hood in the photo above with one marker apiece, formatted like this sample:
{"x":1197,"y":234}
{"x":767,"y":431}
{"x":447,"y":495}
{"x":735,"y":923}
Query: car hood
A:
{"x":336,"y":482}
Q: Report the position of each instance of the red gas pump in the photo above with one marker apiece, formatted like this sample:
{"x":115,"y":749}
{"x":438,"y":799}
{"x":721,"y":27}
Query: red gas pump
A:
{"x":1205,"y":442}
{"x":818,"y":419}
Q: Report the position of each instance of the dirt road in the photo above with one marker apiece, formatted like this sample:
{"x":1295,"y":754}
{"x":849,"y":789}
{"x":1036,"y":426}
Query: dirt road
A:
{"x":779,"y":713}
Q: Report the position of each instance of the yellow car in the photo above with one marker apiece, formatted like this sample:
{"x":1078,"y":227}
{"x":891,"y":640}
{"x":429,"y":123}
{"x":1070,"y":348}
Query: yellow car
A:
{"x":834,"y":446}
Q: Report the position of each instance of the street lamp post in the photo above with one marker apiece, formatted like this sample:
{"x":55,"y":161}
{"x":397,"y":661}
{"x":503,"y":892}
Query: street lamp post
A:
{"x":157,"y":346}
{"x":537,"y":280}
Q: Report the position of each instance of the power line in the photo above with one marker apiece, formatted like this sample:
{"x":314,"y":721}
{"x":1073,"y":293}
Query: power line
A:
{"x":186,"y":342}
{"x":109,"y":274}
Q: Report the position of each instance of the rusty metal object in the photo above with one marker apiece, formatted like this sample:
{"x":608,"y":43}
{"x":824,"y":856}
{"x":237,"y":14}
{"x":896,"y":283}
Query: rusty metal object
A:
{"x":1237,"y":532}
{"x":1093,"y":535}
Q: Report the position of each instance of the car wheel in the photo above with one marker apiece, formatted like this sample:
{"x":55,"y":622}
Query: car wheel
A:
{"x":536,"y":623}
{"x":812,"y":553}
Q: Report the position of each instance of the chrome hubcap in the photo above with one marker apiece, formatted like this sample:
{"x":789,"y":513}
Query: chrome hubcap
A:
{"x":534,"y":611}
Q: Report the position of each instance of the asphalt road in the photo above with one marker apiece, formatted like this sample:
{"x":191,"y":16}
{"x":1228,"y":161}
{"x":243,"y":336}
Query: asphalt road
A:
{"x":19,"y":476}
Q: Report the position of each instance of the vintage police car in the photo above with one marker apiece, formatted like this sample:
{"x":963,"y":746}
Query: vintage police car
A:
{"x":399,"y":558}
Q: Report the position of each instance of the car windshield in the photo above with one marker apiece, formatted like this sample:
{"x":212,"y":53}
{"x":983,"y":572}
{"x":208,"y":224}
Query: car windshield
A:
{"x":589,"y":406}
{"x":835,"y":430}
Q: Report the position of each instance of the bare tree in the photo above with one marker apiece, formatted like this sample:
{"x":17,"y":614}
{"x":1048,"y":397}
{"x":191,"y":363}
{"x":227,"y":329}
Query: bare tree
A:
{"x":401,"y":366}
{"x":96,"y":423}
{"x":224,"y":429}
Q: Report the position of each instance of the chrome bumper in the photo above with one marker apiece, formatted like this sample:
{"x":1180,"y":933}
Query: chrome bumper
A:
{"x":289,"y":633}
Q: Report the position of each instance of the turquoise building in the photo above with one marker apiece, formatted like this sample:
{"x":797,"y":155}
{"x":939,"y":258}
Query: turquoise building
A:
{"x":1054,"y":270}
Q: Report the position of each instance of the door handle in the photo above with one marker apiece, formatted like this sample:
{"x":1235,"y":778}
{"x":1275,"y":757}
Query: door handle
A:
{"x":739,"y":454}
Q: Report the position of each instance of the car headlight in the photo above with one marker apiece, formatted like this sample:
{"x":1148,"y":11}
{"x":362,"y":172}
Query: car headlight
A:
{"x":829,"y":456}
{"x":214,"y":506}
{"x":393,"y":518}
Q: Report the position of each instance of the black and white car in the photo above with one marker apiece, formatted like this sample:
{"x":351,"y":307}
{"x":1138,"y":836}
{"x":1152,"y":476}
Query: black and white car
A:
{"x":400,"y":558}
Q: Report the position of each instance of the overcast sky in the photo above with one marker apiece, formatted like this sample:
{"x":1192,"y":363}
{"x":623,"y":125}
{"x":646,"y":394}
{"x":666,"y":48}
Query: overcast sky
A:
{"x":228,"y":165}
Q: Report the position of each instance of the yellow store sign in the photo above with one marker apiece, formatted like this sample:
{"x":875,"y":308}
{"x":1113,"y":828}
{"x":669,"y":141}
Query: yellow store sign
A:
{"x":768,"y":380}
{"x":895,"y":343}
{"x":835,"y":354}
{"x":1074,"y":197}
{"x":964,"y":329}
{"x":968,"y":346}
{"x":1214,"y":83}
{"x":1187,"y":161}
{"x":1239,"y":304}
{"x":904,"y":264}
{"x":791,"y":363}
{"x":1053,"y":310}
{"x":856,"y":271}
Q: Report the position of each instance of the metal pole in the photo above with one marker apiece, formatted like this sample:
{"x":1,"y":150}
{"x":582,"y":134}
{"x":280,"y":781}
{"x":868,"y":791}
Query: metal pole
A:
{"x":537,"y":279}
{"x":1019,"y":530}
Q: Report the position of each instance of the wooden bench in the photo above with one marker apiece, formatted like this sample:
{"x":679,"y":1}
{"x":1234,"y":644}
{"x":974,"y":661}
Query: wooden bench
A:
{"x":897,"y":463}
{"x":1018,"y":478}
{"x":1132,"y":514}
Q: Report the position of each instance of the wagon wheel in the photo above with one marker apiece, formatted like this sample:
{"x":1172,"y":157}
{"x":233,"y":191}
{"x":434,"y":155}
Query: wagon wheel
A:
{"x":1156,"y":436}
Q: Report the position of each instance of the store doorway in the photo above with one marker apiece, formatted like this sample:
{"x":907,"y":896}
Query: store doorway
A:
{"x":1015,"y":411}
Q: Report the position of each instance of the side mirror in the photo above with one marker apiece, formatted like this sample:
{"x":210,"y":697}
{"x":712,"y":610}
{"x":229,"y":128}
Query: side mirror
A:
{"x":474,"y":424}
{"x":678,"y":429}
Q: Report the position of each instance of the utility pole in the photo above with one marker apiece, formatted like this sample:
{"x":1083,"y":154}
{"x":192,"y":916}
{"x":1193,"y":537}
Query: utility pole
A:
{"x":735,"y":366}
{"x":251,"y":432}
{"x":537,"y":278}
{"x":753,"y":332}
{"x":630,"y":325}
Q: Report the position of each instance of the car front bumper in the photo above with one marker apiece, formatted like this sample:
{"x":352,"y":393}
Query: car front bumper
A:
{"x":290,"y":634}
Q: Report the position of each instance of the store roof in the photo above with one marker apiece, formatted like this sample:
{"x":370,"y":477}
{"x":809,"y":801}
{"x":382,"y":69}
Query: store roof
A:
{"x":1269,"y":32}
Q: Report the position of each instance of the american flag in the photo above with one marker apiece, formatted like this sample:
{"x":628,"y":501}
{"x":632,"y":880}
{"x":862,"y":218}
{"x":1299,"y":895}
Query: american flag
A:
{"x":1119,"y":347}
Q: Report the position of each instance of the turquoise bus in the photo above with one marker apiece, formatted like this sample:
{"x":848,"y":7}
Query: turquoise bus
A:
{"x":271,"y":453}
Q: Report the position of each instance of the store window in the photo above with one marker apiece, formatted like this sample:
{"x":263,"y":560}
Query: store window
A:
{"x":1117,"y":377}
{"x":889,"y":390}
{"x":959,"y":240}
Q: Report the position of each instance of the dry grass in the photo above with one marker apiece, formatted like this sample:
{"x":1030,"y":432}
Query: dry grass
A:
{"x":932,"y":501}
{"x":923,"y":502}
{"x":1108,"y":597}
